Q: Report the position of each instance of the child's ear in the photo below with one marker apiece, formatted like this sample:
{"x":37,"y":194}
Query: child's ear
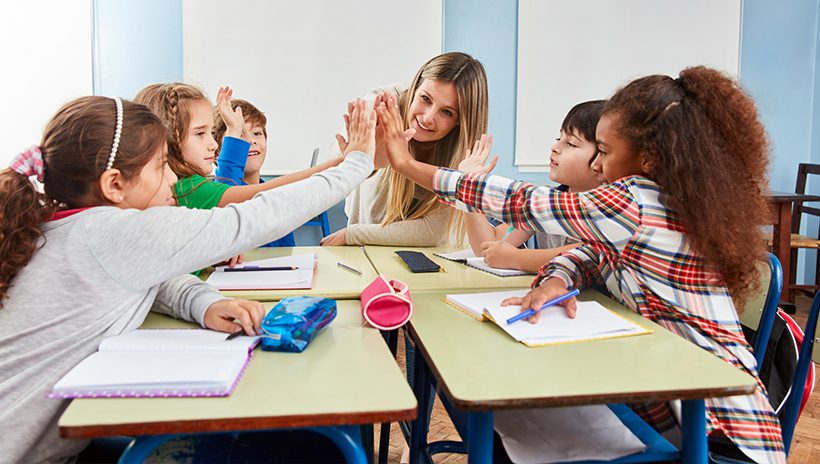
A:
{"x":112,"y":186}
{"x":647,"y":164}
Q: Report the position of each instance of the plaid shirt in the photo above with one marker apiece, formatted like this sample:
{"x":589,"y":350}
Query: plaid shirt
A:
{"x":637,"y":247}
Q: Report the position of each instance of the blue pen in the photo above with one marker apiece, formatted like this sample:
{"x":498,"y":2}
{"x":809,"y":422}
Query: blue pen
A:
{"x":554,"y":301}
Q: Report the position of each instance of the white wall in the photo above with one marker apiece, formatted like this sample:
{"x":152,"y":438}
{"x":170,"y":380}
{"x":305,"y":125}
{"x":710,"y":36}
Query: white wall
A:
{"x":300,"y":62}
{"x":567,"y":55}
{"x":46,"y":63}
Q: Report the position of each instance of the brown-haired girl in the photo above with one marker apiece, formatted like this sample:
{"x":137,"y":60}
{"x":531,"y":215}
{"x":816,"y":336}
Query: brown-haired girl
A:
{"x":192,"y":149}
{"x":91,"y":254}
{"x":675,"y":235}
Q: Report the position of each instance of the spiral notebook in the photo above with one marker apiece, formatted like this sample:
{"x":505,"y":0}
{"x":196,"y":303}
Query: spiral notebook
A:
{"x":468,"y":258}
{"x":592,"y":321}
{"x":159,"y":363}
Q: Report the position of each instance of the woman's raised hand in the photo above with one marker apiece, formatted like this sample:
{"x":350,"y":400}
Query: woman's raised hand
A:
{"x":234,"y":121}
{"x":474,"y":159}
{"x":361,"y":128}
{"x":392,"y":126}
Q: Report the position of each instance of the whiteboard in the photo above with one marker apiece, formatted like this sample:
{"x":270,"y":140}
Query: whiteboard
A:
{"x":300,"y":62}
{"x":46,"y":63}
{"x":571,"y":51}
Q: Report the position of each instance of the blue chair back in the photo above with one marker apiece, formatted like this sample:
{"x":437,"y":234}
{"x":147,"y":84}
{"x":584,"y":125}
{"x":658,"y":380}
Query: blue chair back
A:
{"x":764,"y":327}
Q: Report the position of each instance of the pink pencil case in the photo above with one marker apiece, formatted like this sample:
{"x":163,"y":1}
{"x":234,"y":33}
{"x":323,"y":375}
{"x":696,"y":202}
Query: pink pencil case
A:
{"x":386,"y":305}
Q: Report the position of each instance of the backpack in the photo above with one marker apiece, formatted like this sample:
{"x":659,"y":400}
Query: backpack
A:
{"x":777,"y":370}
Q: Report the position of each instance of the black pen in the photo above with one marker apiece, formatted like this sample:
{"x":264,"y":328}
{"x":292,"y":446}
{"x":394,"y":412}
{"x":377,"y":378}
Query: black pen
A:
{"x":235,"y":334}
{"x":260,"y":268}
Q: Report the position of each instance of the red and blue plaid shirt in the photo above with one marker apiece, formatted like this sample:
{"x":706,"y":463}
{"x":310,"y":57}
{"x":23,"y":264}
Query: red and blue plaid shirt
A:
{"x":637,"y":247}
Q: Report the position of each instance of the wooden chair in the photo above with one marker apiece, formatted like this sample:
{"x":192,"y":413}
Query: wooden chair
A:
{"x":799,"y":241}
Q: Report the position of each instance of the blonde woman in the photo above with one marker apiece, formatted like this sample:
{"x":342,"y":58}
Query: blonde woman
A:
{"x":446,"y":105}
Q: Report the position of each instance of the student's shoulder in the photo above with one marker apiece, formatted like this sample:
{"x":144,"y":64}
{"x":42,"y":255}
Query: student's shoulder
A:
{"x":190,"y":191}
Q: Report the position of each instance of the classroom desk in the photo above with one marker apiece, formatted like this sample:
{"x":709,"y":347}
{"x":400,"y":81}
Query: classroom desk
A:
{"x":457,"y":277}
{"x":480,"y":369}
{"x":782,"y":204}
{"x":345,"y":378}
{"x":332,"y":281}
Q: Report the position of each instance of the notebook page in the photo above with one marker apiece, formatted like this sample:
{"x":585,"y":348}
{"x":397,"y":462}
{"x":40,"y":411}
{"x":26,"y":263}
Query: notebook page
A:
{"x":302,"y":278}
{"x":592,"y":321}
{"x":479,"y":263}
{"x":474,"y":303}
{"x":176,"y":340}
{"x":460,"y":255}
{"x":160,"y":371}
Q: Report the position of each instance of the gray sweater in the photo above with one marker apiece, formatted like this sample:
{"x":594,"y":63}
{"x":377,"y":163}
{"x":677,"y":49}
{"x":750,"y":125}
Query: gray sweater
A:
{"x":99,"y":273}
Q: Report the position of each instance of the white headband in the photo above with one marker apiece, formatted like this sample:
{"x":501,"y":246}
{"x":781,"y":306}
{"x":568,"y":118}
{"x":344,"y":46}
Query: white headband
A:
{"x":117,"y":134}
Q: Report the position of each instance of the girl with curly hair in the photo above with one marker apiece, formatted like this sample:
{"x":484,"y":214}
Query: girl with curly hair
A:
{"x":674,"y":235}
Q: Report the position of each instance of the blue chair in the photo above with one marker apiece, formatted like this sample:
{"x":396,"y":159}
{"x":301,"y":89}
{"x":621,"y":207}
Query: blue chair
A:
{"x":320,"y":221}
{"x":804,"y":359}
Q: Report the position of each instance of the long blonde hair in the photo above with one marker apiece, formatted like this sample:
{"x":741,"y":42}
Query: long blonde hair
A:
{"x":172,"y":103}
{"x":470,"y":80}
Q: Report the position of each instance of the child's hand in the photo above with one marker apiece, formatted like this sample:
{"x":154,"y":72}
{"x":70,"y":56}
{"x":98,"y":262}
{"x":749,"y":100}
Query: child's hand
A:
{"x":338,"y":238}
{"x":474,"y":159}
{"x":231,"y":263}
{"x":498,"y":253}
{"x":361,"y":129}
{"x":230,"y":315}
{"x":549,"y":289}
{"x":234,"y":121}
{"x":395,"y":137}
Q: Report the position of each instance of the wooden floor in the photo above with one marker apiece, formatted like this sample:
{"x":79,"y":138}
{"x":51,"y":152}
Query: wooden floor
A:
{"x":805,"y":446}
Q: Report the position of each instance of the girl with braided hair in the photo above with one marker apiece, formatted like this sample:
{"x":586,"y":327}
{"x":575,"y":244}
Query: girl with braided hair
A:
{"x":86,"y":256}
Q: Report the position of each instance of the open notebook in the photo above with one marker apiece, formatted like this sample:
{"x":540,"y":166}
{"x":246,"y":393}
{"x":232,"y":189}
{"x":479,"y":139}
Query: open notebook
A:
{"x":299,"y":279}
{"x":159,"y":362}
{"x":592,"y":321}
{"x":468,"y":258}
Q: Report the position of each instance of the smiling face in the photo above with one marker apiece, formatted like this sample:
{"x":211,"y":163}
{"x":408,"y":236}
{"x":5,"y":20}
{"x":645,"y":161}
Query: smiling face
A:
{"x":255,"y":134}
{"x":434,"y":110}
{"x":199,"y":146}
{"x":616,"y":159}
{"x":570,"y":158}
{"x":153,"y":186}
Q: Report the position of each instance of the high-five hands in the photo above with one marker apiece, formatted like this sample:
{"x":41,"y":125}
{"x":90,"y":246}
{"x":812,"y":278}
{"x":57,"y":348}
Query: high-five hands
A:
{"x":474,"y":159}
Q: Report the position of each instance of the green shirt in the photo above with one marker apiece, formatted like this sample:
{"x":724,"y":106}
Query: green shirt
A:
{"x":198,"y":192}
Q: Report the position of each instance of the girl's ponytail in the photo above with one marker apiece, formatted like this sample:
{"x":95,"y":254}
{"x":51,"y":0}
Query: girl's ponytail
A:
{"x":22,"y":209}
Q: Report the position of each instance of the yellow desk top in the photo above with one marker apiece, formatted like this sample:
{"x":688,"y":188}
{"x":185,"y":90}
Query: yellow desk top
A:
{"x":457,"y":278}
{"x":331,"y":281}
{"x":346,"y":376}
{"x":480,"y":367}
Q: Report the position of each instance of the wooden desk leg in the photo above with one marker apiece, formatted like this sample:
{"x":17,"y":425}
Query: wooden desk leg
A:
{"x":695,"y":447}
{"x":781,"y":245}
{"x":480,"y":437}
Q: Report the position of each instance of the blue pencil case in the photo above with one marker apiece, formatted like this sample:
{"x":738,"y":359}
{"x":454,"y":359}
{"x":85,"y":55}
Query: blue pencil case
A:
{"x":293,"y":323}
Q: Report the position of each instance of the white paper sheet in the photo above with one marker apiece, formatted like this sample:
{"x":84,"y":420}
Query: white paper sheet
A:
{"x":578,"y":433}
{"x":302,"y":278}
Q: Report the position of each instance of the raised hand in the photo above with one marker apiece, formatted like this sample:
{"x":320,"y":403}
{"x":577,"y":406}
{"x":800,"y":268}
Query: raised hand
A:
{"x":234,"y":121}
{"x":361,"y":129}
{"x":395,"y":137}
{"x":476,"y":157}
{"x":549,"y":289}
